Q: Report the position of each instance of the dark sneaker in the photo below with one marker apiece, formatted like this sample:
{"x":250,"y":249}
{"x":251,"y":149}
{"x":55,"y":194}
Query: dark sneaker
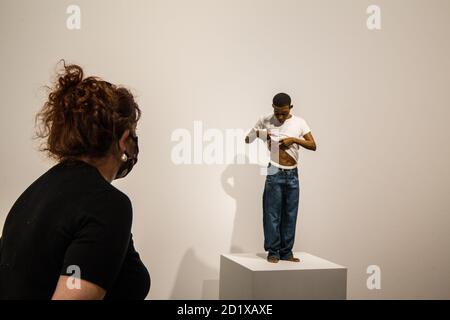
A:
{"x":292,"y":259}
{"x":272,"y":259}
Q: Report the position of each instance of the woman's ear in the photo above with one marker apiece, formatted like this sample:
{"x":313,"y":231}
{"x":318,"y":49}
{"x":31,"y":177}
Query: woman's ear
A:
{"x":122,"y":140}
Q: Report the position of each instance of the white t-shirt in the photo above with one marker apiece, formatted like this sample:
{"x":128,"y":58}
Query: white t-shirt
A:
{"x":294,"y":127}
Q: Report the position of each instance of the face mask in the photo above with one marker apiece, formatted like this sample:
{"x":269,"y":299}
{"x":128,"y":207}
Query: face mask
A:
{"x":132,"y":159}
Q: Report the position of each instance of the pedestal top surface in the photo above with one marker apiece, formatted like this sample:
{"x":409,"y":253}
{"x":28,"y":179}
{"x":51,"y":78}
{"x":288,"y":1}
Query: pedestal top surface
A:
{"x":258,"y":262}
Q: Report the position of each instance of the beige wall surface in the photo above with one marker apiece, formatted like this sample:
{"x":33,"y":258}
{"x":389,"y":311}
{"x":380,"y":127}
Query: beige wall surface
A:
{"x":376,"y":191}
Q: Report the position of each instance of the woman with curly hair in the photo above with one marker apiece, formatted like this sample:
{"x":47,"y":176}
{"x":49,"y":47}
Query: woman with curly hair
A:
{"x":68,"y":236}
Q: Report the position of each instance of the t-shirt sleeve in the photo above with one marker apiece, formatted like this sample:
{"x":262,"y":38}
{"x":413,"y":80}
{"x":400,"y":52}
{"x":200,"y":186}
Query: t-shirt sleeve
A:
{"x":103,"y":231}
{"x":252,"y":133}
{"x":305,"y":128}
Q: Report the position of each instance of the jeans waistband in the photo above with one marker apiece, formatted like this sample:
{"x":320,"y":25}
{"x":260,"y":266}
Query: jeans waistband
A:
{"x":281,"y":169}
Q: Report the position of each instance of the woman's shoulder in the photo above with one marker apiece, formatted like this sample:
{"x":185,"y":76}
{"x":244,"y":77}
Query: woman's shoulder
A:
{"x":97,"y":197}
{"x":77,"y":185}
{"x":109,"y":201}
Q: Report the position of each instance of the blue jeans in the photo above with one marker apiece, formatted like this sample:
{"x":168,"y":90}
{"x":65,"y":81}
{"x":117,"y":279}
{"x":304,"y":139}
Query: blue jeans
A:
{"x":280,"y":207}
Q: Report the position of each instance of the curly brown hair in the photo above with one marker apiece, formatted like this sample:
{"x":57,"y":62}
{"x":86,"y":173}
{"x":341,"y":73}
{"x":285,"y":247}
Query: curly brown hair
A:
{"x":84,"y":117}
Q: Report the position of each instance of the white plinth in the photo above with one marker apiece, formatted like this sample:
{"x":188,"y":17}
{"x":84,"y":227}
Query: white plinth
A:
{"x":250,"y":276}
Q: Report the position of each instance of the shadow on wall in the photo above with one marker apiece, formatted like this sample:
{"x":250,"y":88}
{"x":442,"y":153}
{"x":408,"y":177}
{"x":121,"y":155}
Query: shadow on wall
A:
{"x":245,"y":184}
{"x":190,"y":282}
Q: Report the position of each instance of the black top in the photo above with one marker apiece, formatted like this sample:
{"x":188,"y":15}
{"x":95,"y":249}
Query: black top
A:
{"x":70,"y":216}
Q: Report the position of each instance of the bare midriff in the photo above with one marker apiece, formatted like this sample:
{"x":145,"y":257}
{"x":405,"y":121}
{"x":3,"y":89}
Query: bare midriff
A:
{"x":280,"y":156}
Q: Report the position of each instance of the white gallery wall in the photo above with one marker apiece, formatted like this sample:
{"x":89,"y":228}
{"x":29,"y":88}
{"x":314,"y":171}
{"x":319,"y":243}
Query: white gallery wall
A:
{"x":376,"y":191}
